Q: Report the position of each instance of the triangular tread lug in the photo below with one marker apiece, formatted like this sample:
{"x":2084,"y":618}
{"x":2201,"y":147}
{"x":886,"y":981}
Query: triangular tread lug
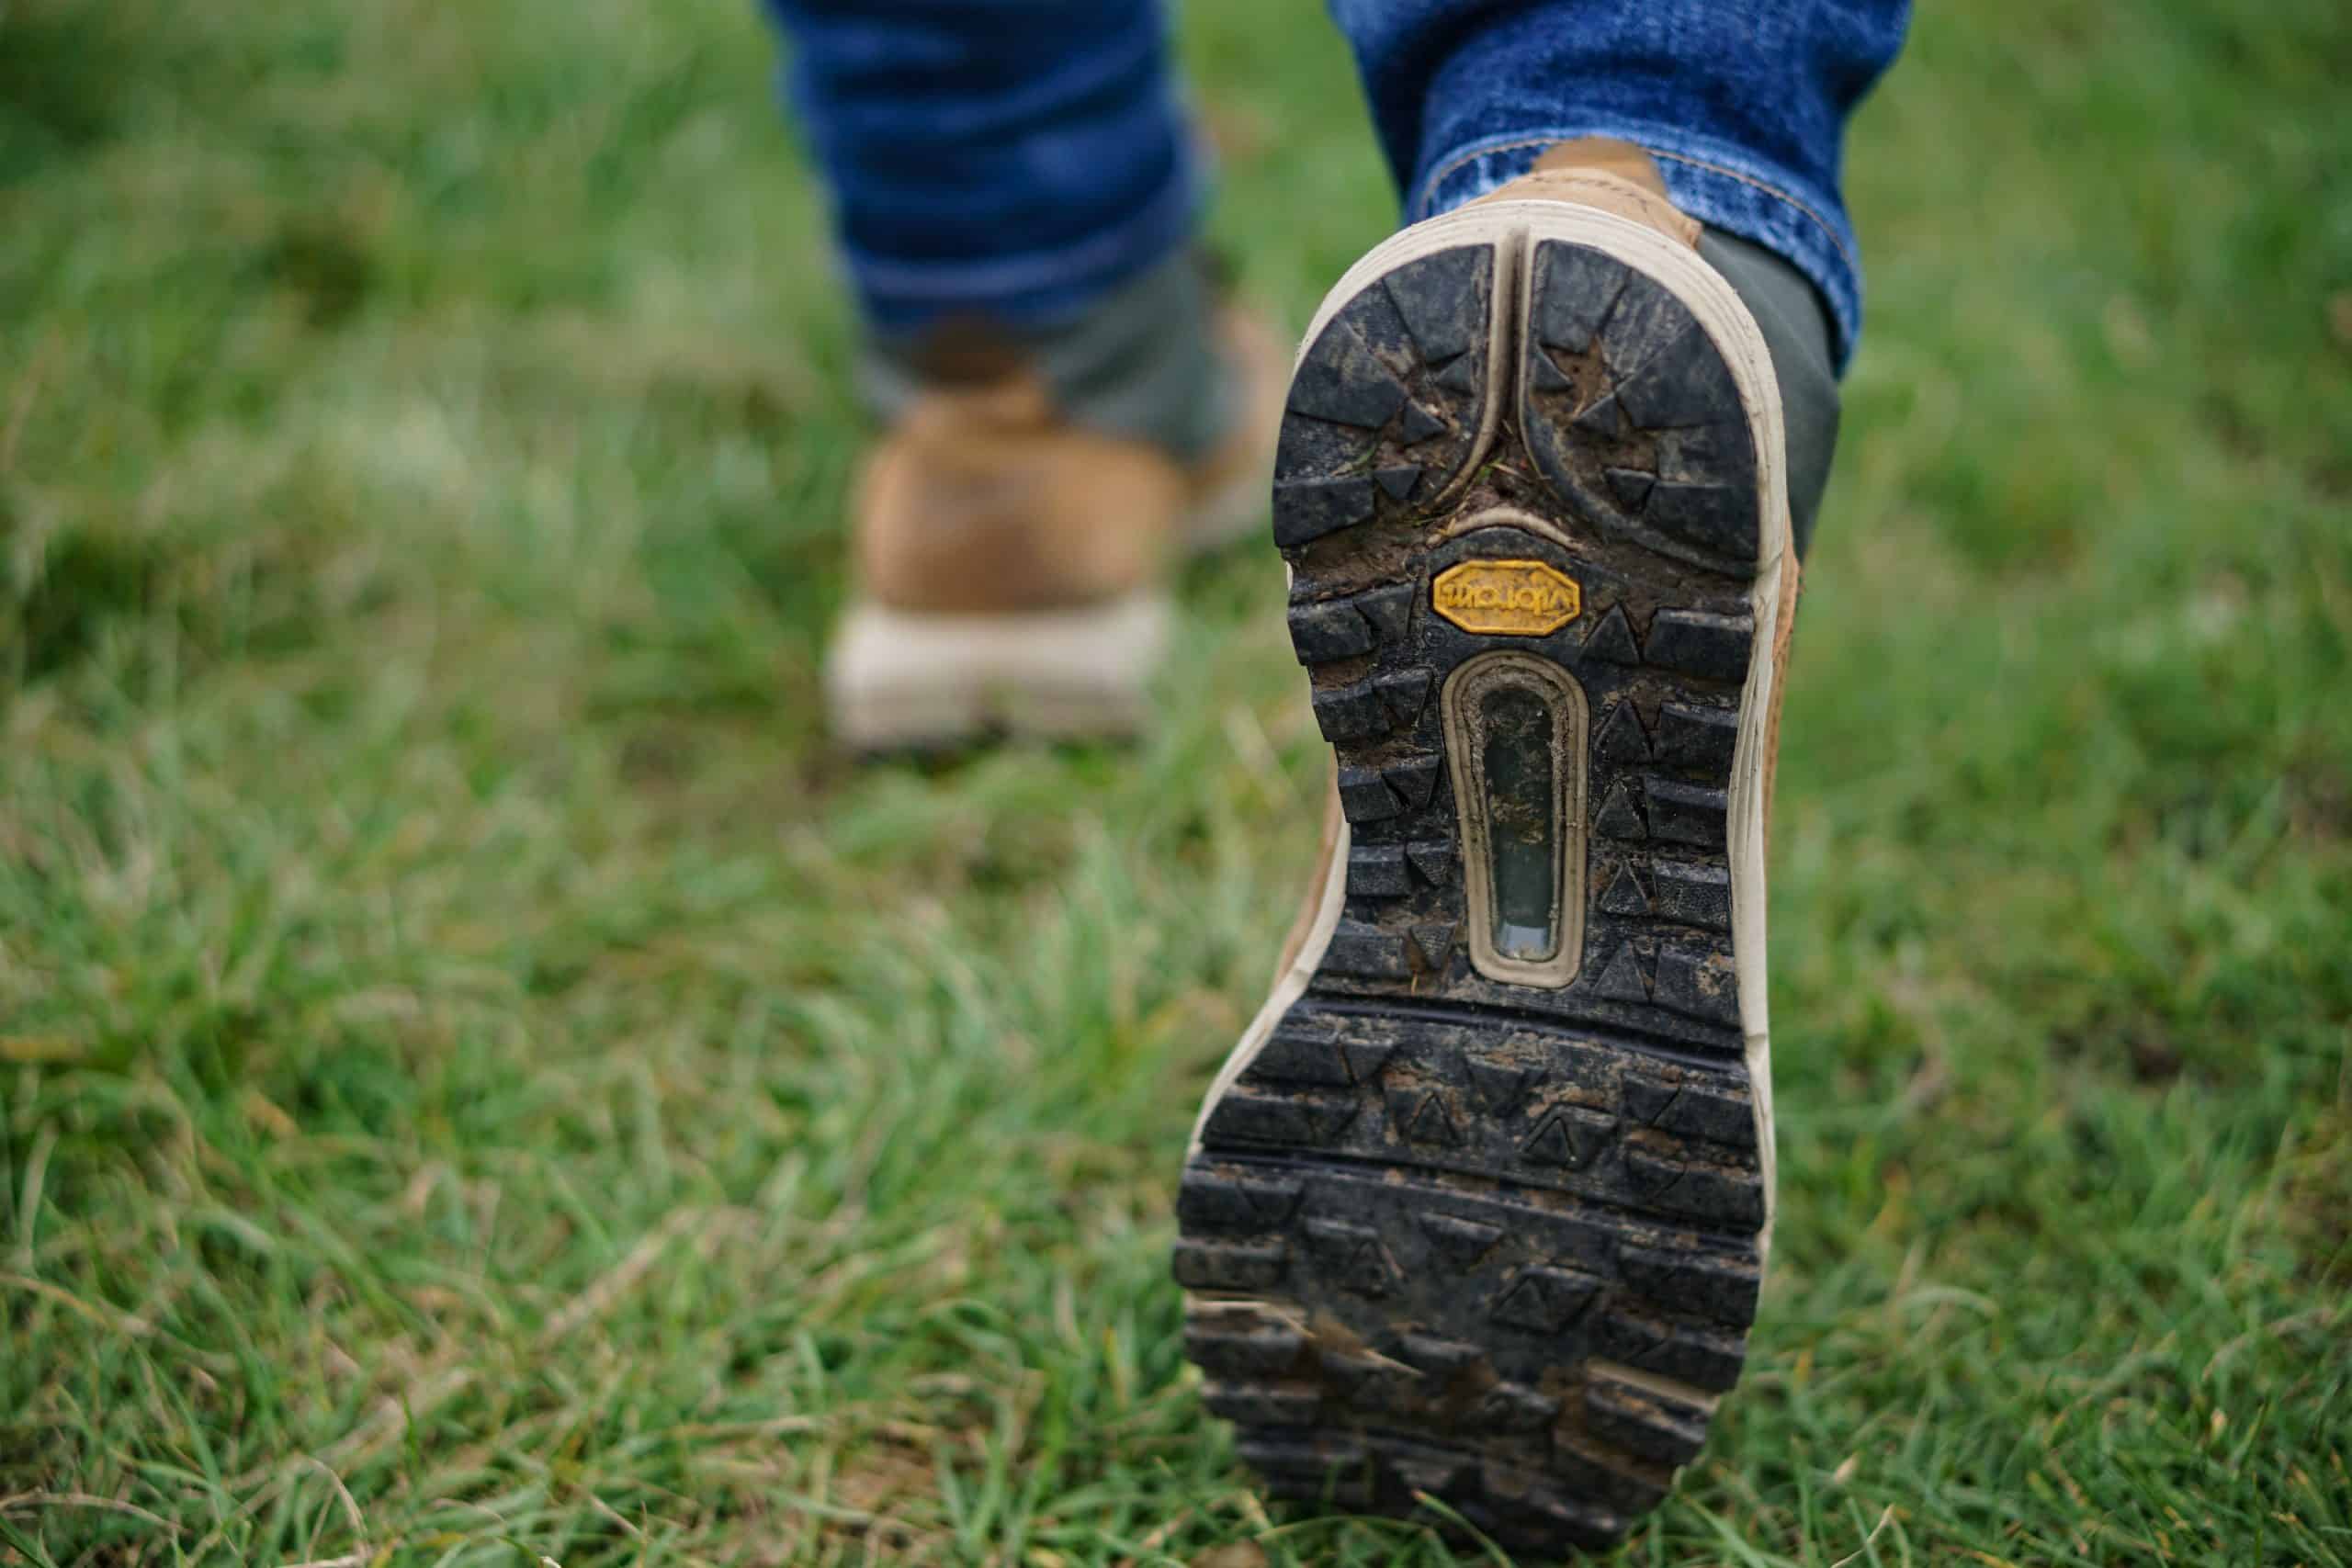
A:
{"x":1414,"y":781}
{"x":1619,"y":818}
{"x":1433,"y":861}
{"x":1500,"y":1085}
{"x":1389,"y":609}
{"x":1341,"y":381}
{"x":1623,"y":980}
{"x":1622,"y":740}
{"x":1435,"y":942}
{"x":1612,"y":637}
{"x":1418,"y":425}
{"x":1460,"y":1242}
{"x":1625,"y":896}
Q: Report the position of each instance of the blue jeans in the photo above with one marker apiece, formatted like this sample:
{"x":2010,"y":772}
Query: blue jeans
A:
{"x":1018,"y":159}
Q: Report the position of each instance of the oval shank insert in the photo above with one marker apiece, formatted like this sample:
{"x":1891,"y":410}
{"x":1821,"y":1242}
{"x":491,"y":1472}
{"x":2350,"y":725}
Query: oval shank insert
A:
{"x":1515,"y":727}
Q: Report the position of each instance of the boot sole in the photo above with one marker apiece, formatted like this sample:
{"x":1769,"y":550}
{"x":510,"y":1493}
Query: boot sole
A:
{"x":901,"y":680}
{"x":1476,"y":1212}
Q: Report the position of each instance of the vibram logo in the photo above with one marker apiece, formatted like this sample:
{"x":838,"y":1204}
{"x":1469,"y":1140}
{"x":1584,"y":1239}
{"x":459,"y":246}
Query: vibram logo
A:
{"x":1513,"y":598}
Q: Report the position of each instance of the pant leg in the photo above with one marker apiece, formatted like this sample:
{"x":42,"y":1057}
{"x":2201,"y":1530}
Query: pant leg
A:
{"x":1015,"y":159}
{"x":1743,"y":104}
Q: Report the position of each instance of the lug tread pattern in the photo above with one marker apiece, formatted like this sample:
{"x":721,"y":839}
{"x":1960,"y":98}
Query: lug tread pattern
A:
{"x":1387,"y":403}
{"x":1604,"y":1121}
{"x":1444,"y":1236}
{"x":1631,"y":414}
{"x":1571,"y":1354}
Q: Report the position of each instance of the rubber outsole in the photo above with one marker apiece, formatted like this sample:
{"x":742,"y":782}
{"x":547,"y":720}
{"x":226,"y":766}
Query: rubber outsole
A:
{"x":1445,"y":1232}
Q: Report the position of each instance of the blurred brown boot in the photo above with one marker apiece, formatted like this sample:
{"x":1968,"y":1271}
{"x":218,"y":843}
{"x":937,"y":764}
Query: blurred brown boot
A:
{"x":1012,"y":564}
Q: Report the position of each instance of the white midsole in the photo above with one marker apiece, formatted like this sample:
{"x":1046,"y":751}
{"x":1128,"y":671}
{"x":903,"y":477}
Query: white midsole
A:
{"x":902,"y":676}
{"x":1514,"y":227}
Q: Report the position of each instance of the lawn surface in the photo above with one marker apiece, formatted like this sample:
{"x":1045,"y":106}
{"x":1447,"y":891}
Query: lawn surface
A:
{"x":479,"y":1084}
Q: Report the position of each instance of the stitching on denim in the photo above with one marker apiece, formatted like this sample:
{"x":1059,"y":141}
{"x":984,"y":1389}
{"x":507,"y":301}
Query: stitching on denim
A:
{"x":1445,"y":172}
{"x":1772,"y":190}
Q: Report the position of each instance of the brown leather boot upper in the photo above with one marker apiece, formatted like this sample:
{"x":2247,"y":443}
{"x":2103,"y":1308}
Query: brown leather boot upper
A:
{"x":1598,"y":171}
{"x":985,"y":498}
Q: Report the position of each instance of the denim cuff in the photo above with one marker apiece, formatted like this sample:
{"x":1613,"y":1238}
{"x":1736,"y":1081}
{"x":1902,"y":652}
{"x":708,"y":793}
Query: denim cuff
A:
{"x":1141,"y":363}
{"x":1035,"y":288}
{"x":1722,"y":186}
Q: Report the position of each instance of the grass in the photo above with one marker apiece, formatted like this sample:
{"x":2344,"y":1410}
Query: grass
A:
{"x":479,"y":1084}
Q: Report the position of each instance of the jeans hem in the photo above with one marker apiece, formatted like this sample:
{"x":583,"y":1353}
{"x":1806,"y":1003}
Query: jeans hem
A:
{"x":1035,"y":288}
{"x":1720,"y":185}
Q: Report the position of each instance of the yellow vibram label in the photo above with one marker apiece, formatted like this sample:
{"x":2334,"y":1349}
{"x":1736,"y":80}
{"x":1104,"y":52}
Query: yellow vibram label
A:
{"x":1515,"y":598}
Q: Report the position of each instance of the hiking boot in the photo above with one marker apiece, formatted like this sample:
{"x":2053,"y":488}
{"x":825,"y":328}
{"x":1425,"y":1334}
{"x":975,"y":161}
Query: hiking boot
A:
{"x":1011,"y":562}
{"x":1478,"y":1208}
